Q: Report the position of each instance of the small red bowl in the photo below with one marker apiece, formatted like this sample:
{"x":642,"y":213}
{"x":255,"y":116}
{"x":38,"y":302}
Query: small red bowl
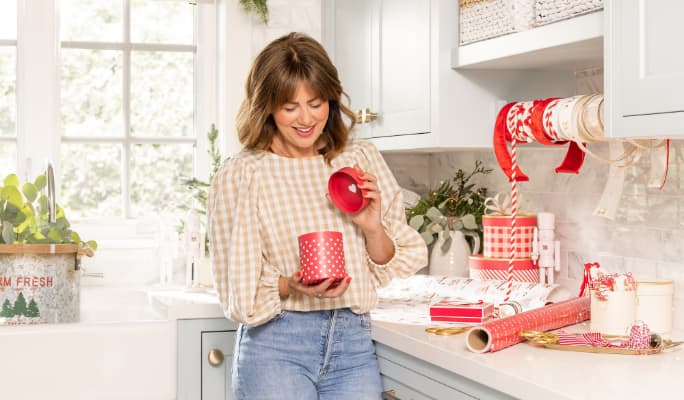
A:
{"x":344,"y":190}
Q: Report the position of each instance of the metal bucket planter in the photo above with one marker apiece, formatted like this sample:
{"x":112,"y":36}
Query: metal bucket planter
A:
{"x":40,"y":283}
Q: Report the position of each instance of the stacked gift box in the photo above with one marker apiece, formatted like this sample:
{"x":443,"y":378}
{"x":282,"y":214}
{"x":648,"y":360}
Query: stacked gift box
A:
{"x":494,"y":262}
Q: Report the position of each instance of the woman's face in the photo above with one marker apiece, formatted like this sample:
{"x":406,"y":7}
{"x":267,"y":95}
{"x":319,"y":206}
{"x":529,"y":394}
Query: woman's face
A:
{"x":300,"y":122}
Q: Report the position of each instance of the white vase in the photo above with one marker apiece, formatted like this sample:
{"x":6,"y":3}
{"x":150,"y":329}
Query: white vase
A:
{"x":453,"y":262}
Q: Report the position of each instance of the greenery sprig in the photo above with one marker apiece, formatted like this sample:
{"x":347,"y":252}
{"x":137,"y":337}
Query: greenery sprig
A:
{"x":200,"y":189}
{"x":258,"y":7}
{"x":457,"y":204}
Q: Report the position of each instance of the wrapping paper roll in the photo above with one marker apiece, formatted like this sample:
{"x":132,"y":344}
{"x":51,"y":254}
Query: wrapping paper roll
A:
{"x":505,"y":332}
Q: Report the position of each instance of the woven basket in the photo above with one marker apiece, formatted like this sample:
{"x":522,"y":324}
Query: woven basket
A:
{"x":548,"y":11}
{"x":484,"y":19}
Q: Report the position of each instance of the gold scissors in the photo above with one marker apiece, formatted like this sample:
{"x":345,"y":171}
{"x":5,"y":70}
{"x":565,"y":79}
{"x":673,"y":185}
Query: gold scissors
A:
{"x":446,"y":330}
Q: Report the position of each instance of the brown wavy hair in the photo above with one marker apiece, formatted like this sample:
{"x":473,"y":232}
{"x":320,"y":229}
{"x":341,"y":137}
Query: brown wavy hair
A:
{"x":272,"y":81}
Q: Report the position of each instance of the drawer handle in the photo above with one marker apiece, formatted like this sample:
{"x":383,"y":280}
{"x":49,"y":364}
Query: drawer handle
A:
{"x":215,"y":357}
{"x":365,"y":115}
{"x":390,"y":395}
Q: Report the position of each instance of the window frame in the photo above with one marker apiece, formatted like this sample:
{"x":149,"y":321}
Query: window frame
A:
{"x":39,"y":133}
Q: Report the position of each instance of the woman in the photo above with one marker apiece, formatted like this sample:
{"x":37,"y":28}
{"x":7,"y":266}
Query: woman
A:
{"x":297,"y":341}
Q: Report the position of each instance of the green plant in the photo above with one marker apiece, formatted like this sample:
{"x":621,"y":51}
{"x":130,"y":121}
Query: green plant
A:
{"x":258,"y":7}
{"x":200,"y":189}
{"x":457,"y":204}
{"x":24,"y":215}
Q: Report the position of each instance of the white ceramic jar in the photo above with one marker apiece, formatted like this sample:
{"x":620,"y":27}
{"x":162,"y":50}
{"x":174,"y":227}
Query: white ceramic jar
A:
{"x":655,"y":305}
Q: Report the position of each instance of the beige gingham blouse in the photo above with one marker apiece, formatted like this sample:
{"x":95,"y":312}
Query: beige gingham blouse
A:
{"x":260,"y":202}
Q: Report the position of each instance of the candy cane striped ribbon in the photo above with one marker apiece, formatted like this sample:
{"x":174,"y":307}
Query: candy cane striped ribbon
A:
{"x":514,"y":221}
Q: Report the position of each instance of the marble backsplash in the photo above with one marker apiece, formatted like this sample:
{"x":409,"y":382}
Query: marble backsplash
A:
{"x":646,"y":237}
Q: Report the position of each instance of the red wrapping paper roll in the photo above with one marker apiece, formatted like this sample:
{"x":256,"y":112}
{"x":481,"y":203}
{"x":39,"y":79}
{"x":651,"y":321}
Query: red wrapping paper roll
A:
{"x":505,"y":332}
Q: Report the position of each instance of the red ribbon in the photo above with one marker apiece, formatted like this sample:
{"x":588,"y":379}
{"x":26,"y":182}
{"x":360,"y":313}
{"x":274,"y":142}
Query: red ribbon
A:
{"x":639,"y":338}
{"x":501,"y":136}
{"x":574,"y":157}
{"x":586,"y":281}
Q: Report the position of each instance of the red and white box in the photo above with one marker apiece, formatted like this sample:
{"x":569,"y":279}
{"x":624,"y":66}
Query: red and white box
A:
{"x":455,"y":311}
{"x":483,"y":268}
{"x":497,"y":235}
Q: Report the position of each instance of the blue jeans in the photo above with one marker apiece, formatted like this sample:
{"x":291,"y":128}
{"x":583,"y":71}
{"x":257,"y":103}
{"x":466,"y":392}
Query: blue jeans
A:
{"x":317,"y":355}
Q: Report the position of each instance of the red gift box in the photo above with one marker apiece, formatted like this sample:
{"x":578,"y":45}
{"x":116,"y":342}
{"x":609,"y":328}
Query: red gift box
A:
{"x":453,"y":311}
{"x":321,"y":255}
{"x":485,"y":268}
{"x":497,"y":235}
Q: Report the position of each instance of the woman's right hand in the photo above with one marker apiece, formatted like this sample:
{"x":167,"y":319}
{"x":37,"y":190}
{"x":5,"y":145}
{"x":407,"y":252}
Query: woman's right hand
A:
{"x":292,"y":286}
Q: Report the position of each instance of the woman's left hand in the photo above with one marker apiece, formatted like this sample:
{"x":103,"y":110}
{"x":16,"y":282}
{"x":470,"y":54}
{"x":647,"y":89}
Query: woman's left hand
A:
{"x":369,"y":218}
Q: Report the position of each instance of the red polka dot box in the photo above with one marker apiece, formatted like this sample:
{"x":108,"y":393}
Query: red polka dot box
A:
{"x":321,"y":256}
{"x":497,"y":235}
{"x":484,"y":268}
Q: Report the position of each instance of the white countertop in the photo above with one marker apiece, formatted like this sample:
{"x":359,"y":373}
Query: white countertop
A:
{"x":523,"y":370}
{"x":530,"y":372}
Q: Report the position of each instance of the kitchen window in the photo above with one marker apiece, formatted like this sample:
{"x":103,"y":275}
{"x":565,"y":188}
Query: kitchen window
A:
{"x":8,"y":85}
{"x":118,"y":93}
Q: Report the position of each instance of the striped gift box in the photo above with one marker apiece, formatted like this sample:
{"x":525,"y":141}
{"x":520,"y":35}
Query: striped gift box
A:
{"x":497,"y":233}
{"x":497,"y":268}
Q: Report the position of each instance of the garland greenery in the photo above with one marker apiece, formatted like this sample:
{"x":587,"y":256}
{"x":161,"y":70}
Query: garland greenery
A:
{"x":258,"y":7}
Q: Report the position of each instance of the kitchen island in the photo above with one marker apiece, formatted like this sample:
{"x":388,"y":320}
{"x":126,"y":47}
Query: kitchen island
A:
{"x":522,"y":371}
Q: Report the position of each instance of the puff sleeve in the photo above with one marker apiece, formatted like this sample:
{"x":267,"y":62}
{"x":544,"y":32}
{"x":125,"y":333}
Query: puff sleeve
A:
{"x":246,"y":284}
{"x":410,"y":251}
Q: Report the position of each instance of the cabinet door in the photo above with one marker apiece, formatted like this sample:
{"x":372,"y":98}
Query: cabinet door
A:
{"x":404,"y":68}
{"x":382,"y":53}
{"x":217,"y":351}
{"x":353,"y":45}
{"x":644,"y":69}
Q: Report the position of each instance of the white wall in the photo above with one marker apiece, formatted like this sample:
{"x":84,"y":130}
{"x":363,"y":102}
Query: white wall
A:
{"x":241,"y":37}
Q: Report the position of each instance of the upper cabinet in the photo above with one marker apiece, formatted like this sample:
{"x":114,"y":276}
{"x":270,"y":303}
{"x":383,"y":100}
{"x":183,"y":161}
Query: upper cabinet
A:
{"x":644,"y":68}
{"x":394,"y":59}
{"x":382,"y":54}
{"x":414,"y":87}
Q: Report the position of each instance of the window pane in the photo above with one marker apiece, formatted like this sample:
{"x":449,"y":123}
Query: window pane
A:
{"x":91,"y":180}
{"x":92,"y":20}
{"x":162,"y":94}
{"x":162,"y":21}
{"x":8,"y":159}
{"x":8,"y":85}
{"x":8,"y":19}
{"x":91,"y":93}
{"x":155,"y":177}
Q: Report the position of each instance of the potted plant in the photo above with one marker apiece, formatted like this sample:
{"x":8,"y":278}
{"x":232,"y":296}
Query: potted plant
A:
{"x":39,"y":255}
{"x":196,"y":216}
{"x":454,"y":209}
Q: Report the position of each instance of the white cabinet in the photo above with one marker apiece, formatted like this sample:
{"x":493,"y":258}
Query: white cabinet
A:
{"x":394,"y":59}
{"x":205,"y":353}
{"x":644,"y":68}
{"x":381,"y":50}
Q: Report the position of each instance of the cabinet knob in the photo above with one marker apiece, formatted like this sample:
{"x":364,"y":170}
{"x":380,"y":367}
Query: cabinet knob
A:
{"x":215,"y":357}
{"x":365,"y":115}
{"x":390,"y":395}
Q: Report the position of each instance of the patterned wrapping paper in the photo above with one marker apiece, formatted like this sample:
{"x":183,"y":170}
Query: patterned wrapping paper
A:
{"x":505,"y":332}
{"x":497,"y":268}
{"x":407,"y":301}
{"x":497,"y":232}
